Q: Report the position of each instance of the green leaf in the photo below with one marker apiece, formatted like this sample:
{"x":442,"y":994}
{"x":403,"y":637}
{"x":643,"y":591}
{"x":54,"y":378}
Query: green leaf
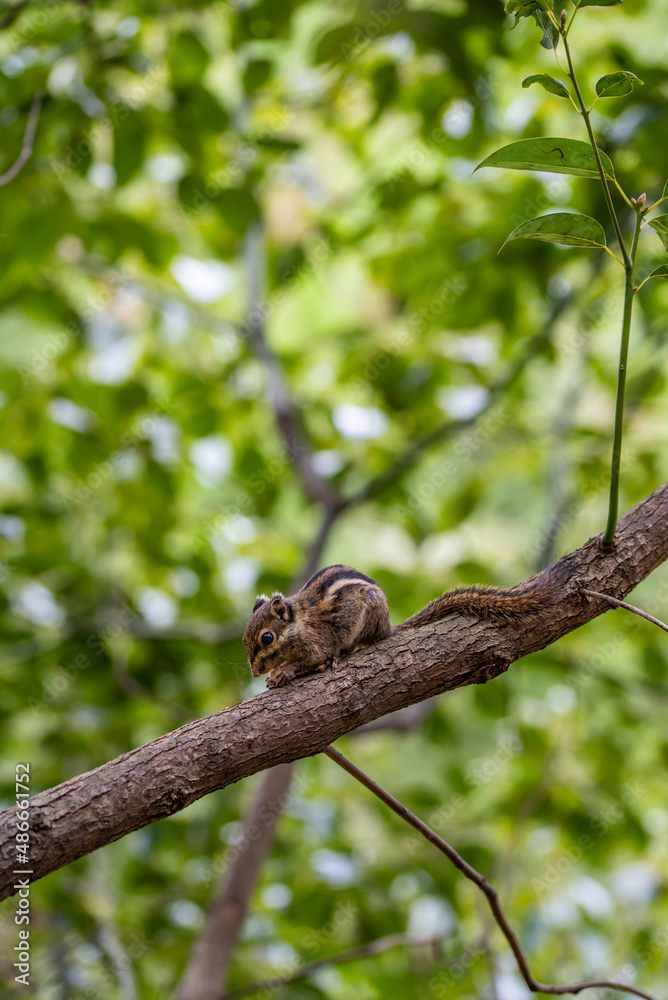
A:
{"x":617,"y":84}
{"x":557,"y":156}
{"x":538,"y":9}
{"x":665,"y":191}
{"x":659,"y":272}
{"x":598,"y":3}
{"x":660,"y":226}
{"x":550,"y":38}
{"x":548,"y":83}
{"x":562,"y":227}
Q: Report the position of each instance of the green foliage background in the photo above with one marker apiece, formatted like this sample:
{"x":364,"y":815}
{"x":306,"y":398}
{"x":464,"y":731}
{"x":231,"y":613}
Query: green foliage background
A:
{"x":139,"y":523}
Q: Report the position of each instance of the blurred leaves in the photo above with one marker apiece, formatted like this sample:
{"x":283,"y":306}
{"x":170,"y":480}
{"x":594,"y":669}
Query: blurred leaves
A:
{"x":146,"y":496}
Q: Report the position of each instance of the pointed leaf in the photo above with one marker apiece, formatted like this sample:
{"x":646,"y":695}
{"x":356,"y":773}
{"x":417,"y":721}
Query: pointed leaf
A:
{"x":548,"y":83}
{"x":598,"y":3}
{"x":660,"y":225}
{"x":659,"y":272}
{"x":550,"y":38}
{"x":562,"y":227}
{"x":665,"y":191}
{"x":558,"y":156}
{"x":538,"y":10}
{"x":526,"y":8}
{"x":617,"y":84}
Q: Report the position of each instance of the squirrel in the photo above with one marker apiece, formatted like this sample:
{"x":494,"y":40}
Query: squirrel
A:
{"x":340,"y":609}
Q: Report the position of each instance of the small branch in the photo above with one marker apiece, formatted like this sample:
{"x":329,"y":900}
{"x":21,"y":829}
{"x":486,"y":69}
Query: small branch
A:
{"x":474,"y":876}
{"x":352,"y":955}
{"x":629,"y":607}
{"x":28,"y":140}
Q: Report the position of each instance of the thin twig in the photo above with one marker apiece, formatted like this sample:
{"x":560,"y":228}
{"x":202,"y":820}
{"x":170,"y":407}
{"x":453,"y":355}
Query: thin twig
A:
{"x":474,"y":876}
{"x":629,"y":607}
{"x":28,"y":140}
{"x":352,"y":955}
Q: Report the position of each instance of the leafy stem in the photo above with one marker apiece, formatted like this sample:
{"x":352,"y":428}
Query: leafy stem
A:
{"x":590,"y":132}
{"x":629,"y":292}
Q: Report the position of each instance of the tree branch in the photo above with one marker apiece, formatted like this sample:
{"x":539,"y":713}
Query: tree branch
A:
{"x":28,"y":140}
{"x":278,"y":726}
{"x":488,"y":890}
{"x":352,"y":955}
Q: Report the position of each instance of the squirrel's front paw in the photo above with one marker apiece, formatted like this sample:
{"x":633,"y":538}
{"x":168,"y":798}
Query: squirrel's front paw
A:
{"x":279,"y":677}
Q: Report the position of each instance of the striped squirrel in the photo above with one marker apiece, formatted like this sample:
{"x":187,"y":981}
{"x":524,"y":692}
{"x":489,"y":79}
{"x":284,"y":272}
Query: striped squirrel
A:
{"x":340,"y":609}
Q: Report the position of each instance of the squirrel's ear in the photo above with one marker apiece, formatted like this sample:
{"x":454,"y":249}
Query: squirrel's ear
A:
{"x":279,"y":608}
{"x":259,"y":601}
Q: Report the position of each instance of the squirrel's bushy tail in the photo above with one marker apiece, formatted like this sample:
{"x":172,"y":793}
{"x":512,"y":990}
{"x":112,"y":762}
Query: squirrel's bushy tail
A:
{"x":533,"y":599}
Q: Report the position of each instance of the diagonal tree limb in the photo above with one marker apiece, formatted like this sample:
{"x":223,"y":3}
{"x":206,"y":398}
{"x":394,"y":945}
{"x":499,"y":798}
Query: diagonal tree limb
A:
{"x":158,"y":779}
{"x":28,"y":140}
{"x":490,"y":893}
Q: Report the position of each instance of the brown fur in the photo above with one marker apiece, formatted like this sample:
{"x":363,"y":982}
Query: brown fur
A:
{"x":340,"y":609}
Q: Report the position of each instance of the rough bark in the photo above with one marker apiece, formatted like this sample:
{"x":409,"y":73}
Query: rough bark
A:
{"x":282,"y":725}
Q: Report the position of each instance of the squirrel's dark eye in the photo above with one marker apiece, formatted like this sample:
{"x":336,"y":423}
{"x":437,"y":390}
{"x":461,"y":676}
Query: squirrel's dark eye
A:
{"x":266,"y":638}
